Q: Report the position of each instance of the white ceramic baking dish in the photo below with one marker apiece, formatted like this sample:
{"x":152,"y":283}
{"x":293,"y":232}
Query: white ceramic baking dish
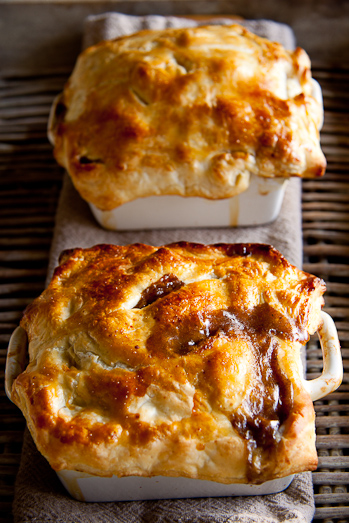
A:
{"x":85,"y":487}
{"x":258,"y":205}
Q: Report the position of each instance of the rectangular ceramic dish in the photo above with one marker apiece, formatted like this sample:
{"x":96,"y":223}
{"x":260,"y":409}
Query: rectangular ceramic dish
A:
{"x":85,"y":487}
{"x":259,"y":204}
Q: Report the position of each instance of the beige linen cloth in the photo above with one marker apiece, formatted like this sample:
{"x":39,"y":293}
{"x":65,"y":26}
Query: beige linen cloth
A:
{"x":39,"y":495}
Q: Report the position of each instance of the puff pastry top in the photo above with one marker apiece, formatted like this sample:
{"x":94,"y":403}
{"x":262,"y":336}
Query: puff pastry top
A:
{"x":191,"y":112}
{"x":181,"y":360}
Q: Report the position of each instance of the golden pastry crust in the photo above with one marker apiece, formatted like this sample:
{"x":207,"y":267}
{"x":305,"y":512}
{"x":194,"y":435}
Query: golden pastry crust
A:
{"x":181,"y":360}
{"x":190,"y":112}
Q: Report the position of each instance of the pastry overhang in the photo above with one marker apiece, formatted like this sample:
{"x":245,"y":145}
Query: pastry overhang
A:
{"x":189,"y":112}
{"x":180,"y":360}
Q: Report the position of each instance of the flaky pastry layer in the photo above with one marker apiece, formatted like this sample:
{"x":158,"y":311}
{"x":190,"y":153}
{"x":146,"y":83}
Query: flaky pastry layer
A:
{"x":180,"y":360}
{"x":190,"y":112}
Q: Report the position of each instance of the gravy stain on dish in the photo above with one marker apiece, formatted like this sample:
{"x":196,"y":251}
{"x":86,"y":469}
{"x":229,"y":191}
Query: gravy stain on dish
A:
{"x":234,"y":211}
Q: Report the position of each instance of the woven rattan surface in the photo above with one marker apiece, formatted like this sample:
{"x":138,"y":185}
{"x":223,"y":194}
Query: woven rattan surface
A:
{"x":30,"y":182}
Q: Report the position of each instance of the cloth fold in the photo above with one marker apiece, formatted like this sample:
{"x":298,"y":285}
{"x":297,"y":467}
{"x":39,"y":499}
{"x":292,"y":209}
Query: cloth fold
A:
{"x":39,"y":495}
{"x":107,"y":26}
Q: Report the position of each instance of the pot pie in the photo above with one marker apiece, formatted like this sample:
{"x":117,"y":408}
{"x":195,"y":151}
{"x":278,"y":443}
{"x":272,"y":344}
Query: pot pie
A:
{"x":193,"y":112}
{"x":181,"y":360}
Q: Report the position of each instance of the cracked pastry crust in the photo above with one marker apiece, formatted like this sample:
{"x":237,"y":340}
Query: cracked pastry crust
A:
{"x":189,"y":112}
{"x":180,"y":360}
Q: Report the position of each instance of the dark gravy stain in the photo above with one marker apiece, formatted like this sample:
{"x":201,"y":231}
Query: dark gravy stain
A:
{"x":266,"y":409}
{"x":165,"y":285}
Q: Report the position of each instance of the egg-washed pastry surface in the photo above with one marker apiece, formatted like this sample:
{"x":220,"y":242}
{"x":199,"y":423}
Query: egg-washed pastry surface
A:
{"x":190,"y":112}
{"x":180,"y":360}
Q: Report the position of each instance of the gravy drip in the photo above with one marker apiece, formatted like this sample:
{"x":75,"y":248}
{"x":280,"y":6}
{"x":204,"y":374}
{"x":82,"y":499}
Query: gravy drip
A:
{"x":269,"y":401}
{"x":267,"y":406}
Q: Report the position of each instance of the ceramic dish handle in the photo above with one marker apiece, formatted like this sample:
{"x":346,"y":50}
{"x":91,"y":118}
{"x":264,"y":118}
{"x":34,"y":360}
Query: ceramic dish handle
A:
{"x":16,"y":358}
{"x":54,"y":118}
{"x":332,"y":373}
{"x":317,"y":94}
